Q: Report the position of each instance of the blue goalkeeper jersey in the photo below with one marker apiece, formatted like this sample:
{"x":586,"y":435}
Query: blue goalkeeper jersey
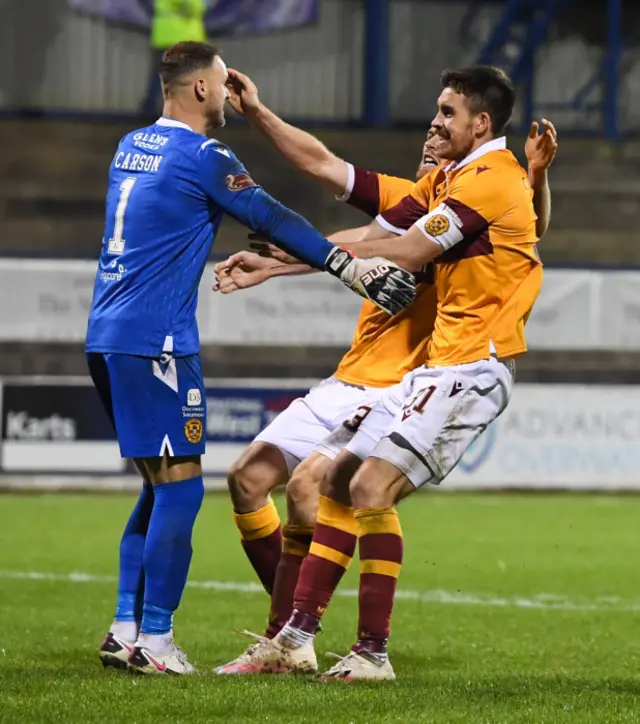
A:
{"x":168,"y":190}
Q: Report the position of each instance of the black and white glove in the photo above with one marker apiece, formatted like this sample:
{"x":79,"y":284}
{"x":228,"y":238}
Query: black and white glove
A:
{"x":380,"y":281}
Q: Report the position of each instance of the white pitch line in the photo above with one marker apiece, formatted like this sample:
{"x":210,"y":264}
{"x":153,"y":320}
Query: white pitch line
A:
{"x":541,"y":601}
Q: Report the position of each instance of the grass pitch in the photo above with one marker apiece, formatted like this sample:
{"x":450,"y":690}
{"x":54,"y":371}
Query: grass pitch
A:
{"x":517,"y":608}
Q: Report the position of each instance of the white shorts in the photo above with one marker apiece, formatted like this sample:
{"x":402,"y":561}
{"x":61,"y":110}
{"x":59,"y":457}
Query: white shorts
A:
{"x":424,"y":424}
{"x":299,"y":429}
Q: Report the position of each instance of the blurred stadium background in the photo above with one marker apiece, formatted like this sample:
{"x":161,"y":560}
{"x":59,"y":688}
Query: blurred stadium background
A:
{"x":364,"y":74}
{"x":511,"y":608}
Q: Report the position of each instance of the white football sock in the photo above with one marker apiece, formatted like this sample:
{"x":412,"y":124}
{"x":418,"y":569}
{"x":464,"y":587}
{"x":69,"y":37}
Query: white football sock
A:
{"x":292,"y":637}
{"x":156,"y":643}
{"x":126,"y":630}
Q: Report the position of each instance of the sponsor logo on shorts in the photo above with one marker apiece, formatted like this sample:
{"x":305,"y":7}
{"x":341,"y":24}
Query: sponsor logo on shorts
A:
{"x":437,"y":225}
{"x":194,"y":398}
{"x":193,"y":430}
{"x":239,"y":181}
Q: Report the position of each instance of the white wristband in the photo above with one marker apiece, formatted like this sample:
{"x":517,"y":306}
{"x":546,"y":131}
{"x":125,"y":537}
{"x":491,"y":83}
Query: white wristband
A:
{"x":351,"y":179}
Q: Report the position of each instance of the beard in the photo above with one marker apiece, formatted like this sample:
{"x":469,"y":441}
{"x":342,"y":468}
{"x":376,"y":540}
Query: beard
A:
{"x":215,"y":120}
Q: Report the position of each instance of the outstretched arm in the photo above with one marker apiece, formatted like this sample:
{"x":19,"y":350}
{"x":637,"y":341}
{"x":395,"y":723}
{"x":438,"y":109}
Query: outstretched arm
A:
{"x":246,"y":269}
{"x":540,"y":149}
{"x":345,"y":239}
{"x":411,"y":251}
{"x":304,"y":151}
{"x":226,"y":182}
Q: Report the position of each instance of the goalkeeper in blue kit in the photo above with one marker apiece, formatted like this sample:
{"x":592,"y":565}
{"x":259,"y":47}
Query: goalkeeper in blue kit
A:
{"x":169,"y":186}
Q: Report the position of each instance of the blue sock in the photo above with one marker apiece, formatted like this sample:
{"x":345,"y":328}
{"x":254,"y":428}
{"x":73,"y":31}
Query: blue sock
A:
{"x":131,"y":581}
{"x":167,"y":552}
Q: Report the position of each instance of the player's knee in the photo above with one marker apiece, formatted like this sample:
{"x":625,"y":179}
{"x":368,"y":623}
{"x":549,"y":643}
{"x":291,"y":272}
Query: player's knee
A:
{"x":335,"y":483}
{"x":303,"y":491}
{"x":302,"y":502}
{"x":251,"y":479}
{"x":161,"y":471}
{"x":362,"y":493}
{"x":368,"y":490}
{"x":377,"y":484}
{"x":246,"y":489}
{"x":329,"y":481}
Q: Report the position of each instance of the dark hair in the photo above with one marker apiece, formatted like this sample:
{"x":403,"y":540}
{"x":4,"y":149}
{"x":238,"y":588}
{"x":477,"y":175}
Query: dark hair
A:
{"x":184,"y":58}
{"x":487,"y":89}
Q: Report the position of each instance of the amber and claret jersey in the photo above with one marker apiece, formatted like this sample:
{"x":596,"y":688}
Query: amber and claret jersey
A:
{"x":489,"y":276}
{"x":385,"y":348}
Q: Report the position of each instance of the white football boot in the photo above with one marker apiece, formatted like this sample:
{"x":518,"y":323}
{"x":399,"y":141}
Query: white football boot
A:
{"x":359,"y":667}
{"x":241,"y":664}
{"x":115,"y":651}
{"x":173,"y":661}
{"x":269,"y":656}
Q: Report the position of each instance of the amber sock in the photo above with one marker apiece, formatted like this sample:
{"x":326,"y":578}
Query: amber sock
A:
{"x":380,"y":546}
{"x":331,"y":551}
{"x":295,"y":548}
{"x":262,"y":541}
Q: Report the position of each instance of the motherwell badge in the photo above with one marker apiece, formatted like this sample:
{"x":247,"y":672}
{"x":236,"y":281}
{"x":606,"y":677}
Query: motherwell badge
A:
{"x":437,"y":225}
{"x":239,"y":181}
{"x":193,"y":430}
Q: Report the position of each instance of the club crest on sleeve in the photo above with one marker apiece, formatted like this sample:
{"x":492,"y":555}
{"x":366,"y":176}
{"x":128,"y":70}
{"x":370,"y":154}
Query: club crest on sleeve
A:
{"x":437,"y":225}
{"x":239,"y":181}
{"x":193,"y":430}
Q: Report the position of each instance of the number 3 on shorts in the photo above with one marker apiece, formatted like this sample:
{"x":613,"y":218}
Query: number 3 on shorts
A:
{"x":358,"y":417}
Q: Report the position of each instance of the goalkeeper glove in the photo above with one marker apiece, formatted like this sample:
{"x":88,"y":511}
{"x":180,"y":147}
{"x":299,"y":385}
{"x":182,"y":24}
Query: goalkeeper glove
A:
{"x":380,"y":281}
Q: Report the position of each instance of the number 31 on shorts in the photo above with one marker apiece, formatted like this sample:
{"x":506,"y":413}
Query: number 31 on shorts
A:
{"x":417,"y":402}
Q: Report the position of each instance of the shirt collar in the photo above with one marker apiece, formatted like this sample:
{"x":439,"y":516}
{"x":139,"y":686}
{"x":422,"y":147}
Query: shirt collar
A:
{"x":173,"y":123}
{"x":497,"y":144}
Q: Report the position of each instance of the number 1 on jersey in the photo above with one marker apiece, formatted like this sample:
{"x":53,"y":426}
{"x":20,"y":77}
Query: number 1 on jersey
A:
{"x":116,"y":242}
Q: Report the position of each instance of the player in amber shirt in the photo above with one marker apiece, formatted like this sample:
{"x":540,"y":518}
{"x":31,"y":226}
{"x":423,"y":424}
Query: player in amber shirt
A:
{"x":293,"y":436}
{"x":474,"y":217}
{"x":480,"y":214}
{"x":380,"y":354}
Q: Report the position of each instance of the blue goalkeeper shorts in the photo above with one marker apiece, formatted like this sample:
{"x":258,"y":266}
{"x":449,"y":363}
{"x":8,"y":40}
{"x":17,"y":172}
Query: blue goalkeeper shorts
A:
{"x":157,"y":406}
